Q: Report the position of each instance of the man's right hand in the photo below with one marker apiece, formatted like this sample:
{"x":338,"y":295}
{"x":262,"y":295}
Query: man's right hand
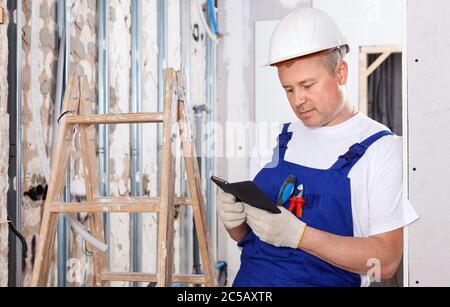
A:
{"x":231,"y":212}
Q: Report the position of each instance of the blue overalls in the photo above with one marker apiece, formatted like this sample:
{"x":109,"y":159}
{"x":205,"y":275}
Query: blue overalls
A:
{"x":328,"y":208}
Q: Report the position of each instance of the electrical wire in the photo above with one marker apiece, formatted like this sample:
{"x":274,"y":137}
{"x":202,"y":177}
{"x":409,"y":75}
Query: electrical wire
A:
{"x":212,"y":13}
{"x":22,"y":239}
{"x":211,"y":35}
{"x":85,"y":249}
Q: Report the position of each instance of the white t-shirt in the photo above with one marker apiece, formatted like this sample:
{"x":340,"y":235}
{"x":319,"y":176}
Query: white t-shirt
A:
{"x":378,"y":203}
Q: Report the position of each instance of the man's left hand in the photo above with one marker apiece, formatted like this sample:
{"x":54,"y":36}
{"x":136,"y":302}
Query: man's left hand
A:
{"x":281,"y":230}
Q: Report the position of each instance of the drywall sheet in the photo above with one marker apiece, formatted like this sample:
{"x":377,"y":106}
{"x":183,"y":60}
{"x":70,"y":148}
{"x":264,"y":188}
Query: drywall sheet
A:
{"x":428,"y":32}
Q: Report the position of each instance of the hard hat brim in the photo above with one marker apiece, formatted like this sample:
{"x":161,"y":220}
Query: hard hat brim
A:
{"x":310,"y":52}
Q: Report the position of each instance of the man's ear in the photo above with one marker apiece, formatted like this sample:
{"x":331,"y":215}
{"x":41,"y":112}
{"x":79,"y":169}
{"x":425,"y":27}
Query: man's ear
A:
{"x":342,"y":72}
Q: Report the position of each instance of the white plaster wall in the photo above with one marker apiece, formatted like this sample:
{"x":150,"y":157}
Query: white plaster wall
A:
{"x":272,"y":108}
{"x":174,"y":35}
{"x":270,"y":98}
{"x":198,"y":63}
{"x":236,"y":55}
{"x":174,"y":61}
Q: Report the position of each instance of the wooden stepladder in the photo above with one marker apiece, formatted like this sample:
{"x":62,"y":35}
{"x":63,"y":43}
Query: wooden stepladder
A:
{"x":76,"y":116}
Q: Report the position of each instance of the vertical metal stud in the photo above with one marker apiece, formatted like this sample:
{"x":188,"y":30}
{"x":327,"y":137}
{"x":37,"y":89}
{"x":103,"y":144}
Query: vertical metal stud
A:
{"x":103,"y":106}
{"x":15,"y":24}
{"x":187,"y":217}
{"x":136,"y":133}
{"x":63,"y":233}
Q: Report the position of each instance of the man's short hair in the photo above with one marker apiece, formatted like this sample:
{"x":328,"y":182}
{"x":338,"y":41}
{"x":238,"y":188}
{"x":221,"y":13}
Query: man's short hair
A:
{"x":332,"y":57}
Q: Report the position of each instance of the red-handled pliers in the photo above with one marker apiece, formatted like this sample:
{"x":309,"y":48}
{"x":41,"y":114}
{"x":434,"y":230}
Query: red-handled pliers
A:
{"x":297,"y":203}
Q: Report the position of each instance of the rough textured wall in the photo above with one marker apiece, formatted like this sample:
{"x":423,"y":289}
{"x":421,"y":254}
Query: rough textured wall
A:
{"x":183,"y":255}
{"x":120,"y":86}
{"x":83,"y":61}
{"x":83,"y":49}
{"x":39,"y":85}
{"x":40,"y":94}
{"x":4,"y":144}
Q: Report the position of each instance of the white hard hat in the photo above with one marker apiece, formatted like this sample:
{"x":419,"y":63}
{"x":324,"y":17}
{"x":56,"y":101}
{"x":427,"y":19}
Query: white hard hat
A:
{"x":304,"y":31}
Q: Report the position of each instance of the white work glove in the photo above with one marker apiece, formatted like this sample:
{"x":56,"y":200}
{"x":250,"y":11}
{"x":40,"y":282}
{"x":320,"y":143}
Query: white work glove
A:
{"x":280,"y":230}
{"x":231,"y":212}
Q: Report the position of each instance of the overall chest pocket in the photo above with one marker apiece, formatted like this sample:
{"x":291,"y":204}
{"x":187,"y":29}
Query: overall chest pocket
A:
{"x":330,"y":213}
{"x":312,"y":208}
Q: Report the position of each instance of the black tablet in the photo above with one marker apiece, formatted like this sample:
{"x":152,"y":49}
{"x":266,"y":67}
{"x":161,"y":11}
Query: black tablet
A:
{"x":247,"y":192}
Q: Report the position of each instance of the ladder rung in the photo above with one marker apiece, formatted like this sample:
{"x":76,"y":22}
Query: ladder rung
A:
{"x":144,"y":200}
{"x":183,"y":201}
{"x":143,"y":277}
{"x":115,"y":200}
{"x":126,"y":118}
{"x":116,"y":205}
{"x":98,"y":208}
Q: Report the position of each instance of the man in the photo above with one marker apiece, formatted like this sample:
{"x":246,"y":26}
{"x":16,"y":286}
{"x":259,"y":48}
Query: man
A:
{"x":355,"y":212}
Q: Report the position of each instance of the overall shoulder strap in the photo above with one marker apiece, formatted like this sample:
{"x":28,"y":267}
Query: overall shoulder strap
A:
{"x":280,"y":150}
{"x":346,"y":162}
{"x":283,"y":140}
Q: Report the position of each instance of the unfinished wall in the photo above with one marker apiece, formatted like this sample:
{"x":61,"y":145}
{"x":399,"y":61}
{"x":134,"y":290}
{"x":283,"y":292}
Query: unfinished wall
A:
{"x":38,"y":96}
{"x":83,"y":61}
{"x":40,"y":48}
{"x":39,"y":74}
{"x":120,"y":89}
{"x":4,"y":144}
{"x":149,"y":104}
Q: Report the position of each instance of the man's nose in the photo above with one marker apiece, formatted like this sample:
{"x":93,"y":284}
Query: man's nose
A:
{"x":300,"y":98}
